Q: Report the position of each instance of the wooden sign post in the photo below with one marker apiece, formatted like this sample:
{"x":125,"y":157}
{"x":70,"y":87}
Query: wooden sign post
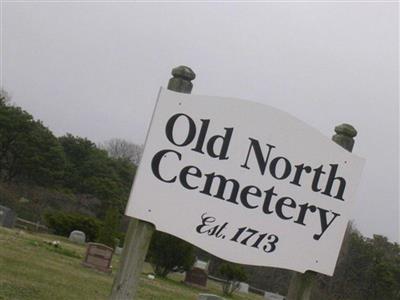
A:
{"x":139,"y":233}
{"x":301,"y":284}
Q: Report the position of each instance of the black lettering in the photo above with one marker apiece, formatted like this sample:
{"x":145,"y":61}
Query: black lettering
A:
{"x":222,"y":155}
{"x":331,"y":180}
{"x":221,"y":187}
{"x":302,"y":213}
{"x":267,"y":201}
{"x":281,"y":203}
{"x":273,"y":164}
{"x":299,"y":170}
{"x":248,"y":191}
{"x":202,"y":136}
{"x":262,"y":163}
{"x":324,"y":221}
{"x":272,"y":243}
{"x":318,"y":171}
{"x":184,"y":174}
{"x":170,"y":128}
{"x":205,"y":221}
{"x":155,"y":164}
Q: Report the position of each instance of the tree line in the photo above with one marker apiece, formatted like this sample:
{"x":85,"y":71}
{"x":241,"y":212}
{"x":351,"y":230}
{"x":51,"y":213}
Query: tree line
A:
{"x":39,"y":171}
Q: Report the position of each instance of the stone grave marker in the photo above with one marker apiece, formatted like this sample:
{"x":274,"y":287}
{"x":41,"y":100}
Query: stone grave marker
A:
{"x":273,"y":296}
{"x":244,"y":287}
{"x":198,"y":274}
{"x":209,"y":297}
{"x":118,"y":250}
{"x":7,"y":217}
{"x":77,"y":236}
{"x":98,"y":256}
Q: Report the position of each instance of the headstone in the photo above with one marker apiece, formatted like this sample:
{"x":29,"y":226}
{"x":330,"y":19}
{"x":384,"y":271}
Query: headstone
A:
{"x":198,"y":274}
{"x":77,"y":236}
{"x":273,"y":296}
{"x":118,"y":250}
{"x":203,"y":265}
{"x":244,"y":287}
{"x":7,"y":217}
{"x":98,"y":256}
{"x":209,"y":297}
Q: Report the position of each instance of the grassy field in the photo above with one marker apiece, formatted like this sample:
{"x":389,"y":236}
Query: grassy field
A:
{"x":32,"y":269}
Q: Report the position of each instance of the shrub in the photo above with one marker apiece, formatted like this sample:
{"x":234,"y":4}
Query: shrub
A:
{"x":63,"y":223}
{"x":168,"y":253}
{"x":233,"y":275}
{"x":108,"y":232}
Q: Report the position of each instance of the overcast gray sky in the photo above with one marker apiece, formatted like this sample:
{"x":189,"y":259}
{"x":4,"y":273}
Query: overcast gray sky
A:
{"x":94,"y":69}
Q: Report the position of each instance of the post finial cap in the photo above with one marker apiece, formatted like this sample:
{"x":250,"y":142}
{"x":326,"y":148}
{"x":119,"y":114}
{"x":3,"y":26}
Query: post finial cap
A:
{"x":184,"y":73}
{"x":346,"y":129}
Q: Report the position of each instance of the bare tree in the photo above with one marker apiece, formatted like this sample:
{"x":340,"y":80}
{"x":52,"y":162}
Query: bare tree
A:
{"x":4,"y":97}
{"x":120,"y":148}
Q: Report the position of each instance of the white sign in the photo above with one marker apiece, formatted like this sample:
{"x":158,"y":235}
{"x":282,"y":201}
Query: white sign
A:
{"x":246,"y":182}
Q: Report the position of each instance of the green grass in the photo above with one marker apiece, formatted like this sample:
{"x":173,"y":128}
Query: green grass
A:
{"x":32,"y":269}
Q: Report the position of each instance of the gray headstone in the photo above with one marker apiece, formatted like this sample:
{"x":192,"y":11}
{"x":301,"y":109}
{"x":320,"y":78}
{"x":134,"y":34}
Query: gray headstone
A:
{"x":7,"y":217}
{"x":243,"y":287}
{"x":118,"y":250}
{"x":209,"y":297}
{"x":77,"y":236}
{"x":273,"y":296}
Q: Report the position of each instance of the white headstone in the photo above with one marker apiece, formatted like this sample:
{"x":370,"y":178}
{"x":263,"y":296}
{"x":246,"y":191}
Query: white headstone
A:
{"x":244,"y":287}
{"x":77,"y":236}
{"x":118,"y":250}
{"x":209,"y":297}
{"x":273,"y":296}
{"x":203,"y":265}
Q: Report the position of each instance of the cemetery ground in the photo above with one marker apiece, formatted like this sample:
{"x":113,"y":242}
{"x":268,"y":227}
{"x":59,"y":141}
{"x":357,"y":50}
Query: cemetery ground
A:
{"x":31,"y":268}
